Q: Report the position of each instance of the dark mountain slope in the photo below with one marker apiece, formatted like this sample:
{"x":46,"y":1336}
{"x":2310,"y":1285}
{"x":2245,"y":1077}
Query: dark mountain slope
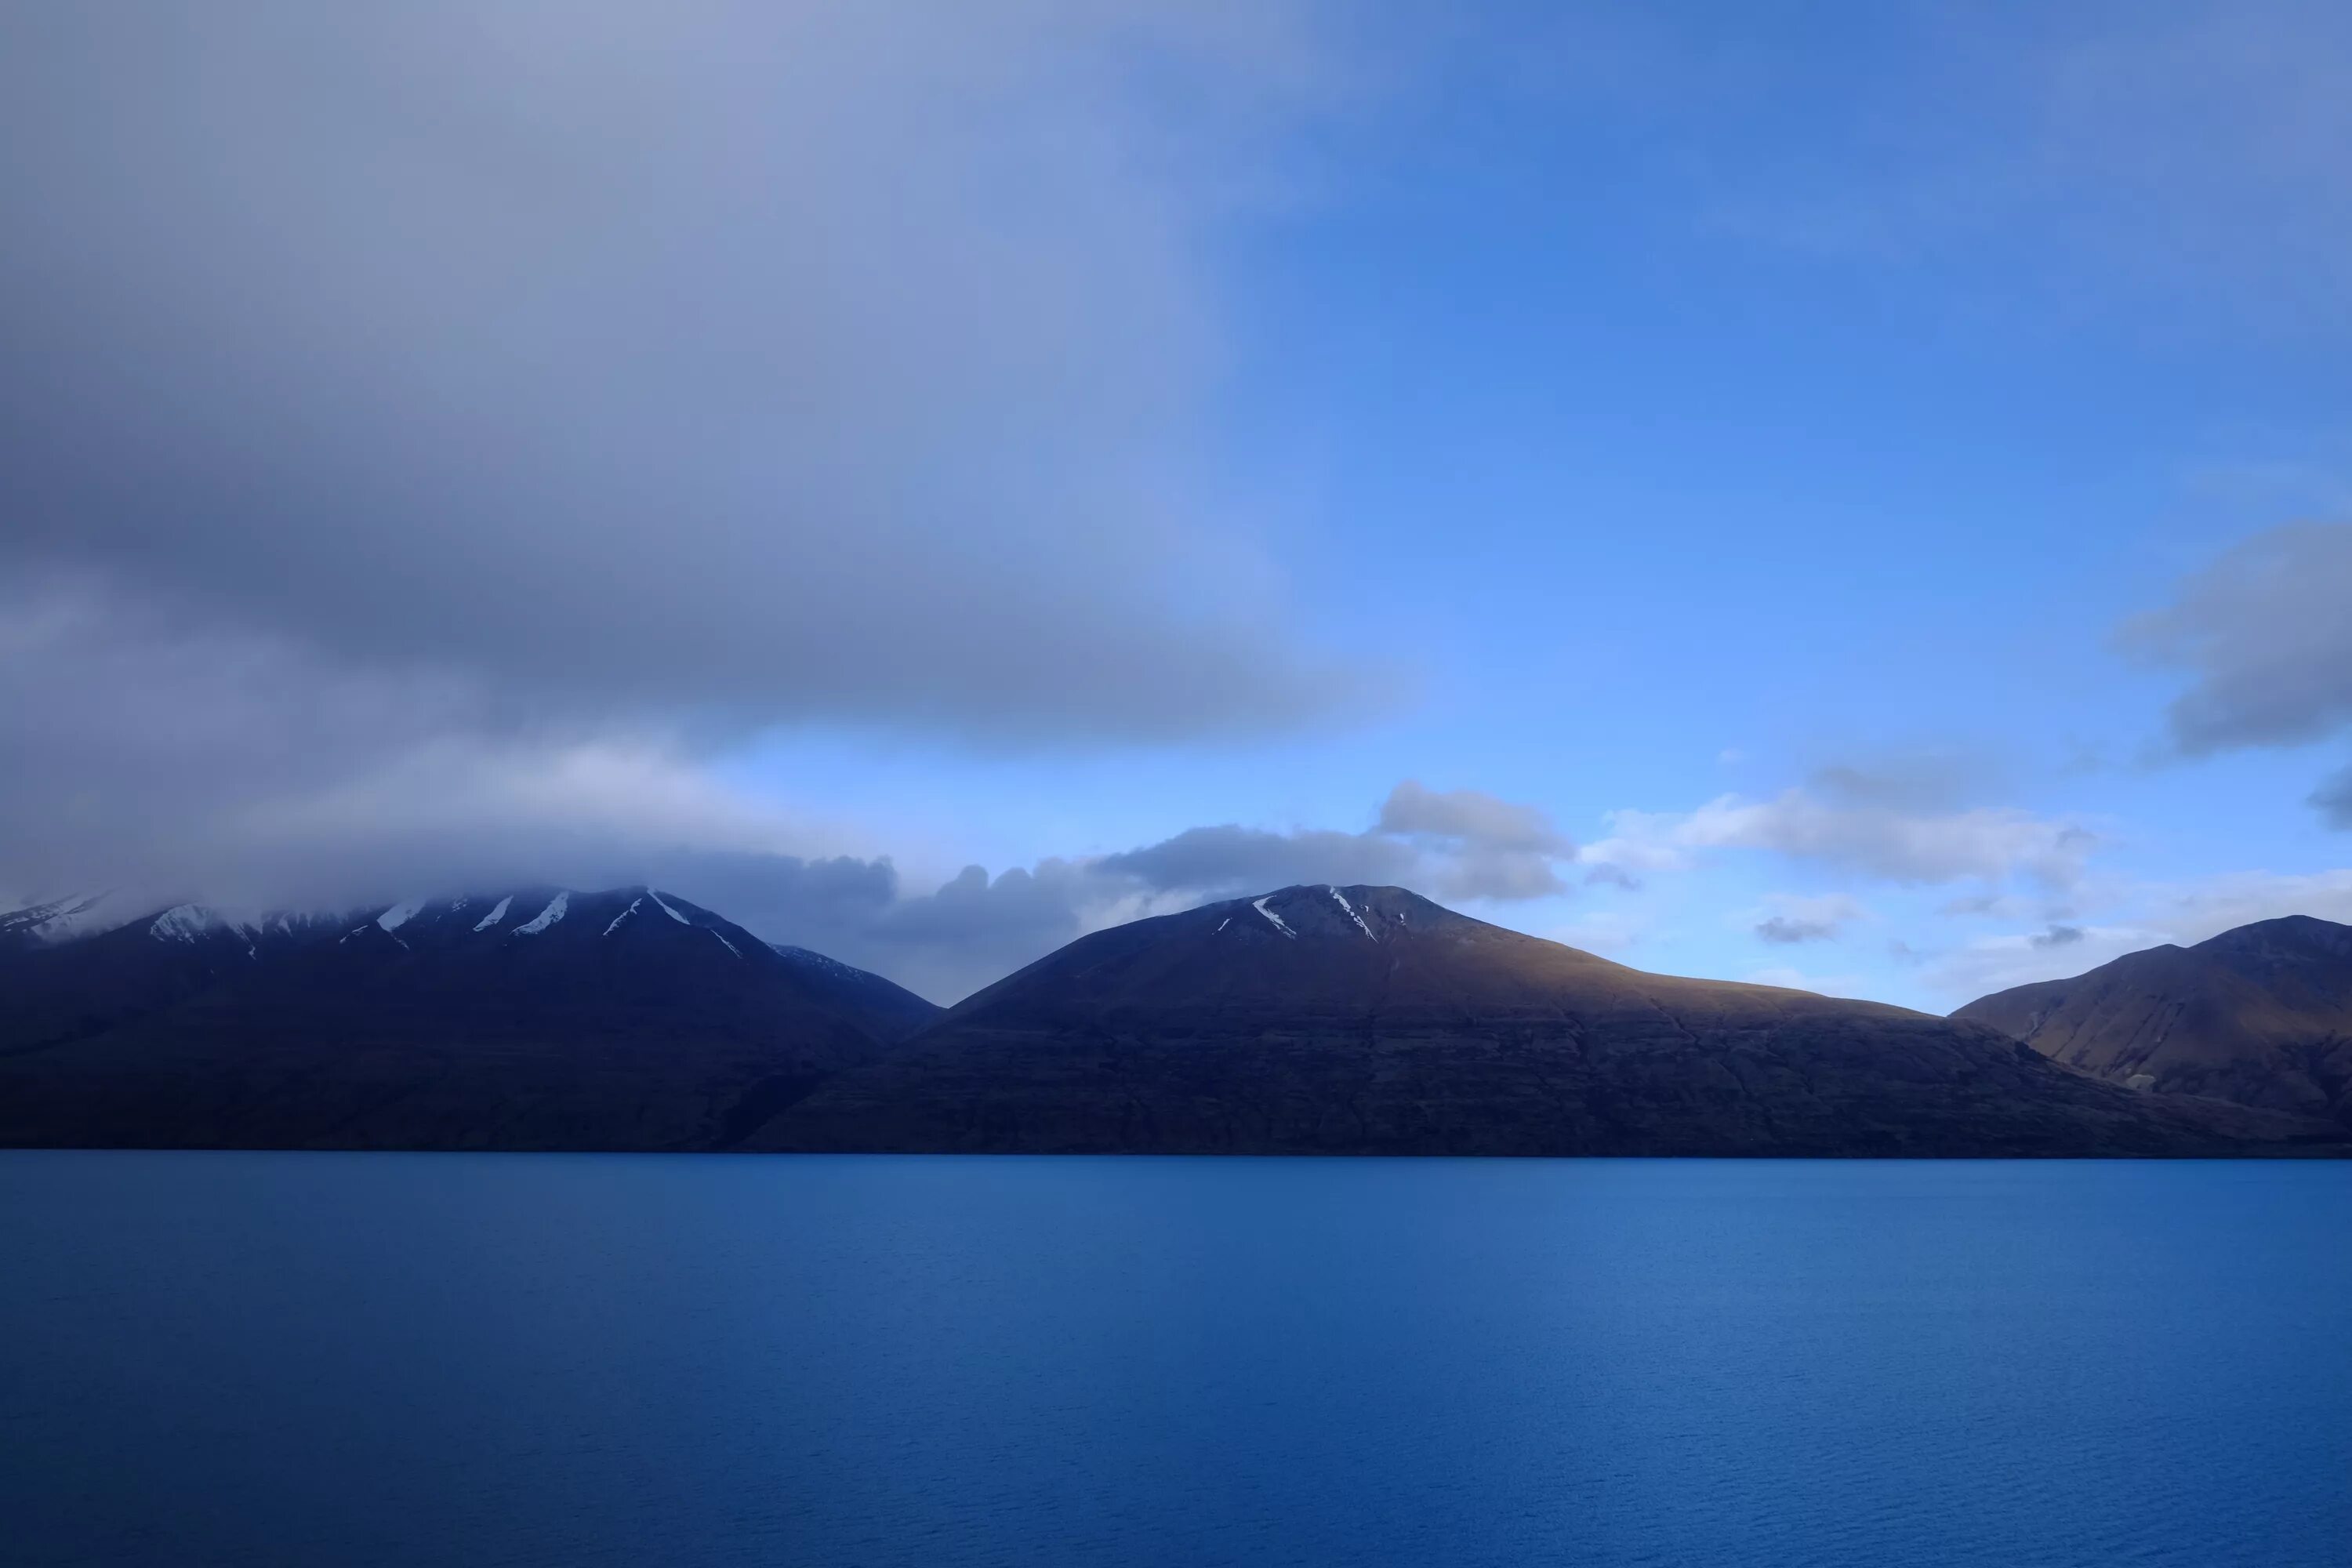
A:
{"x":541,"y":1018}
{"x":889,"y":1007}
{"x":1370,"y":1020}
{"x":87,"y":985}
{"x":2262,"y":1016}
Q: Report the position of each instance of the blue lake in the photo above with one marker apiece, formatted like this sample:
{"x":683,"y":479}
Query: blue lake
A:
{"x":309,"y":1359}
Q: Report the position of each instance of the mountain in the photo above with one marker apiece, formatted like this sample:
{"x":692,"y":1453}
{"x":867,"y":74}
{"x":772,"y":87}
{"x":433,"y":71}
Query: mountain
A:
{"x":534,"y":1018}
{"x":1370,"y":1020}
{"x":2262,"y":1016}
{"x":892,"y":1009}
{"x":60,"y":919}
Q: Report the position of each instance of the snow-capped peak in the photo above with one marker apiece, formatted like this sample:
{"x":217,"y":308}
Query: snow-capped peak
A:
{"x":184,"y":923}
{"x":77,"y":915}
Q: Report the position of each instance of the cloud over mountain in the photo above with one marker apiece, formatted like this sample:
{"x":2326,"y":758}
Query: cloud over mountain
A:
{"x":433,"y":440}
{"x":494,"y":379}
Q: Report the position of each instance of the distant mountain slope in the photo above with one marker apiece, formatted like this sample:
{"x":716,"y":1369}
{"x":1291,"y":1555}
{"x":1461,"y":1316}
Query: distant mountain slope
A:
{"x":888,"y":1004}
{"x":2262,"y":1016}
{"x":1369,"y":1020}
{"x":59,"y":919}
{"x":534,"y":1018}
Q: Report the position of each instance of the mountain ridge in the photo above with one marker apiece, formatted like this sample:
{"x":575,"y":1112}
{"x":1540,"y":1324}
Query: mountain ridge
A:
{"x":1321,"y":1018}
{"x":1317,"y":1018}
{"x":2259,"y":1015}
{"x":536,"y":1017}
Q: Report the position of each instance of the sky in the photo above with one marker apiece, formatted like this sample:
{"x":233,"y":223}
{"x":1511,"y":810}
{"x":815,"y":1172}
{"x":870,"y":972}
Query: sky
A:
{"x":1855,"y":496}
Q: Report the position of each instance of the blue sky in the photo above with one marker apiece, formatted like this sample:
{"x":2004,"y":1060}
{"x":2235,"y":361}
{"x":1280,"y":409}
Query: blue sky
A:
{"x":1658,"y":506}
{"x":1740,"y":438}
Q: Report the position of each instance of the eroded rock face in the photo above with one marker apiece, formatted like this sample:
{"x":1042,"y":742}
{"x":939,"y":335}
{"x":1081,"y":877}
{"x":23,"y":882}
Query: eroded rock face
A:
{"x":2261,"y":1015}
{"x":1369,"y":1020}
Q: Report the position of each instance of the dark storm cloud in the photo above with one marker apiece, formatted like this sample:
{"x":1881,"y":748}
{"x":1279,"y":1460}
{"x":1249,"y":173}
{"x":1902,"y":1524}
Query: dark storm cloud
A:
{"x":2266,"y":639}
{"x":729,"y":364}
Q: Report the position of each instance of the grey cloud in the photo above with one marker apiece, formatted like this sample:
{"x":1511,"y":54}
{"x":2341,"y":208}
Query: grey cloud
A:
{"x":1469,"y":815}
{"x":1781,"y":929}
{"x":2058,"y":936}
{"x":1803,"y":918}
{"x":974,"y":928}
{"x":1919,"y":780}
{"x":1231,"y":858}
{"x":1481,"y":847}
{"x":2265,"y":637}
{"x":2334,"y":799}
{"x":414,"y":811}
{"x":1455,"y":844}
{"x":1459,"y":844}
{"x":623,"y":362}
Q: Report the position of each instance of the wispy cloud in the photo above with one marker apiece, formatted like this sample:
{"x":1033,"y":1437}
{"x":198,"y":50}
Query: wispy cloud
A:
{"x":1789,"y":919}
{"x":1881,"y":841}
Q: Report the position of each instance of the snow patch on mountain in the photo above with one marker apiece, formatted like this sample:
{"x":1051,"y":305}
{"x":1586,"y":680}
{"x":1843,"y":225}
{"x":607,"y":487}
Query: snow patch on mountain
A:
{"x":400,"y":915}
{"x":672,"y":913}
{"x":1259,"y":905}
{"x":495,"y":915}
{"x":624,"y":914}
{"x":1352,"y":915}
{"x":70,"y":918}
{"x":184,"y":923}
{"x":546,"y":917}
{"x":809,"y":958}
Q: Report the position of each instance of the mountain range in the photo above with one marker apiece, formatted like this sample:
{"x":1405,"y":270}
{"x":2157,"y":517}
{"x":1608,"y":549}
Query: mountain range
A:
{"x":532,"y":1018}
{"x":1310,"y":1020}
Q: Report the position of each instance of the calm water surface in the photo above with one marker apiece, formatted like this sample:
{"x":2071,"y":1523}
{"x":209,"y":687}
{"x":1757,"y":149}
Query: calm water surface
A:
{"x":309,"y":1359}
